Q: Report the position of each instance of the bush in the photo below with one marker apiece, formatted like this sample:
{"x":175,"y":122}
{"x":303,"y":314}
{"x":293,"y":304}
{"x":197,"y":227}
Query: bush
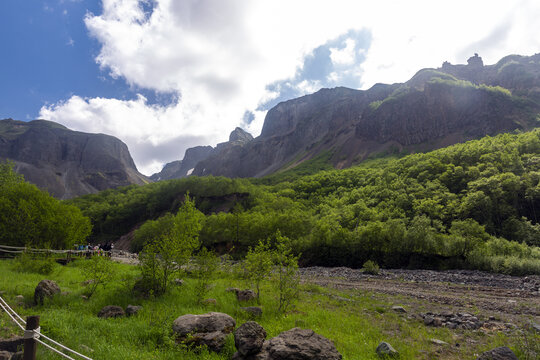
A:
{"x":97,"y":272}
{"x":258,"y":265}
{"x":371,"y":267}
{"x":34,"y":263}
{"x":285,"y":273}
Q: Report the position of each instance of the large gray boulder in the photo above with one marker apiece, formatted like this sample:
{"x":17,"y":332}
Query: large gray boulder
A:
{"x":297,"y":344}
{"x":207,"y":329}
{"x":45,"y":289}
{"x":249,"y":338}
{"x":500,"y":353}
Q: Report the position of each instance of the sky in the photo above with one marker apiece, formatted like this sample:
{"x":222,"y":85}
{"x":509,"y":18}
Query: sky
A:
{"x":166,"y":75}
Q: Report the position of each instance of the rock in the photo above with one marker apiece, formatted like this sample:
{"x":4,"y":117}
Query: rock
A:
{"x":438,"y":342}
{"x":209,"y":302}
{"x":45,"y":289}
{"x":385,"y":349}
{"x":19,"y":300}
{"x":133,"y":309}
{"x":12,"y":344}
{"x":253,"y":311}
{"x":535,"y":327}
{"x":5,"y":355}
{"x":207,"y":329}
{"x":297,"y":344}
{"x":249,"y":338}
{"x":178,"y":282}
{"x":399,"y":309}
{"x":246,"y":295}
{"x":428,"y":320}
{"x":500,"y":353}
{"x":111,"y":311}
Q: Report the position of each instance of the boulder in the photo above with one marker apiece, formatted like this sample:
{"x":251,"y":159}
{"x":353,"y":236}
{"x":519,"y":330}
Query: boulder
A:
{"x":385,"y":349}
{"x":249,"y":338}
{"x":133,"y":310}
{"x":45,"y":289}
{"x":500,"y":353}
{"x":246,"y":295}
{"x":299,"y":344}
{"x":12,"y":344}
{"x":253,"y":311}
{"x":111,"y":311}
{"x":207,"y":329}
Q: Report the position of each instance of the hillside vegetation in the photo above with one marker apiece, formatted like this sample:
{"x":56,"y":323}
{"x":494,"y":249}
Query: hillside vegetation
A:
{"x":468,"y":205}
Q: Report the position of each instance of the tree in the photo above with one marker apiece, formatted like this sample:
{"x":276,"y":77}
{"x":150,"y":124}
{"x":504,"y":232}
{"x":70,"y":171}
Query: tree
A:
{"x":258,"y":265}
{"x":168,"y":249}
{"x":206,"y":264}
{"x":97,"y":271}
{"x":285,"y":272}
{"x":30,"y":216}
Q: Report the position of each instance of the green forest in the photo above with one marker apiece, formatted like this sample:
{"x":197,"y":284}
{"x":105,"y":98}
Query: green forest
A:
{"x":471,"y":205}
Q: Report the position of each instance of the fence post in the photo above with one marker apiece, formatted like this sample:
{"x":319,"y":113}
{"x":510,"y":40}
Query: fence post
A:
{"x":30,"y":344}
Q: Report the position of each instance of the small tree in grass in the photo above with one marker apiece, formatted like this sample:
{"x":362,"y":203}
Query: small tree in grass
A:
{"x":285,"y":272}
{"x":169,"y":247}
{"x":258,"y":265}
{"x":97,"y":271}
{"x":206,"y":264}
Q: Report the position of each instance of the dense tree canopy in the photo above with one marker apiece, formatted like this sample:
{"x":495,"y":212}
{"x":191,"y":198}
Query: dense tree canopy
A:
{"x":29,"y":216}
{"x":464,"y":205}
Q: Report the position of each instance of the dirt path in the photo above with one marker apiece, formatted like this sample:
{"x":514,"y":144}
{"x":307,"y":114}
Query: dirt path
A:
{"x":510,"y":297}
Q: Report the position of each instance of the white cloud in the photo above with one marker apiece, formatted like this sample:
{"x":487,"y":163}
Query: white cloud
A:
{"x":219,"y":56}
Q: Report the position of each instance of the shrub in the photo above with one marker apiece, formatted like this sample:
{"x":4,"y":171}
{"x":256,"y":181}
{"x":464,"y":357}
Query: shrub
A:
{"x":258,"y":265}
{"x":285,"y":273}
{"x":97,"y":271}
{"x":34,"y":263}
{"x":371,"y":267}
{"x":206,"y":264}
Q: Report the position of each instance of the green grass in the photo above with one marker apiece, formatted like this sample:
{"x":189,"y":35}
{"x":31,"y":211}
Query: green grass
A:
{"x":356,"y":326}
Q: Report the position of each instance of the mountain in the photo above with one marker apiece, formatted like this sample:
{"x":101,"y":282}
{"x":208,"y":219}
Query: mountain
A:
{"x":66,"y":163}
{"x":434,"y":109}
{"x":193,"y":156}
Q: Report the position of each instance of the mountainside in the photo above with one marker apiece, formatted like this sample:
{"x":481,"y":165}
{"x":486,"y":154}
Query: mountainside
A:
{"x":436,"y":108}
{"x":182,"y":168}
{"x":66,"y":163}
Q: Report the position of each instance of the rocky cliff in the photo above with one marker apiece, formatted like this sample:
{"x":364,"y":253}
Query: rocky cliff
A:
{"x":436,"y":108}
{"x":204,"y":155}
{"x":66,"y":163}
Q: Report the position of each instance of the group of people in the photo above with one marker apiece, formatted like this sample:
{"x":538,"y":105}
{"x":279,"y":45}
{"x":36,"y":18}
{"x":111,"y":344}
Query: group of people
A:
{"x":98,"y":249}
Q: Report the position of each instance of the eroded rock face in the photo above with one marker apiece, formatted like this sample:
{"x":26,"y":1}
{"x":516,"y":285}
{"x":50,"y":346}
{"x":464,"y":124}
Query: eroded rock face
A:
{"x":66,"y":163}
{"x":500,"y":353}
{"x":207,"y":329}
{"x":45,"y":289}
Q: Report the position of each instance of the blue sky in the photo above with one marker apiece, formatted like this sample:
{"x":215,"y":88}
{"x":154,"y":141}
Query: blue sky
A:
{"x":166,"y":75}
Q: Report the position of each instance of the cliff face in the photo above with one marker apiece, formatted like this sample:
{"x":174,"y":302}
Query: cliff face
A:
{"x":437,"y":107}
{"x":66,"y":163}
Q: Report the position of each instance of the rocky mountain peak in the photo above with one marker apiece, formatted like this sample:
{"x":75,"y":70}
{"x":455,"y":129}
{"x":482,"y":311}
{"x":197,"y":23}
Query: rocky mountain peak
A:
{"x":240,"y":135}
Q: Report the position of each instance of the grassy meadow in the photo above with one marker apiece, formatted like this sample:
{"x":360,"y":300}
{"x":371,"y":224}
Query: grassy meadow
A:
{"x":356,"y":321}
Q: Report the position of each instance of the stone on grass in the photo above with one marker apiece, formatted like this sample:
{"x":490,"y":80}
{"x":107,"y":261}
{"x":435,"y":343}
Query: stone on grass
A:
{"x":399,"y":309}
{"x":45,"y":289}
{"x":438,"y":342}
{"x":253,"y":311}
{"x":209,"y":302}
{"x":12,"y":344}
{"x":19,"y":299}
{"x":133,"y":310}
{"x":5,"y":355}
{"x":207,"y":329}
{"x":178,"y":282}
{"x":111,"y":311}
{"x":385,"y":349}
{"x":249,"y":338}
{"x":300,"y":344}
{"x":500,"y":353}
{"x":246,"y":295}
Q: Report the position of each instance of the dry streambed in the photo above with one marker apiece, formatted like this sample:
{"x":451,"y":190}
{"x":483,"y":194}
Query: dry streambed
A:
{"x":513,"y":298}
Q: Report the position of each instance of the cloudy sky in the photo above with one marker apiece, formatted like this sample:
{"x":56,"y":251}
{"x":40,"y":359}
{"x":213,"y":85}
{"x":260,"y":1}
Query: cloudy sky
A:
{"x":165,"y":75}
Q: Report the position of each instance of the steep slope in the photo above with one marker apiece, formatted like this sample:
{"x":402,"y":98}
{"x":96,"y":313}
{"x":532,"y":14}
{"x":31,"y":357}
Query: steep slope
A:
{"x":66,"y":163}
{"x":436,"y":108}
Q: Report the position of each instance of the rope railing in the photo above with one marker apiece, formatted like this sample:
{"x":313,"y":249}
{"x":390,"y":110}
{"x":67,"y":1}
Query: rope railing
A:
{"x":21,"y":249}
{"x":36,"y":334}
